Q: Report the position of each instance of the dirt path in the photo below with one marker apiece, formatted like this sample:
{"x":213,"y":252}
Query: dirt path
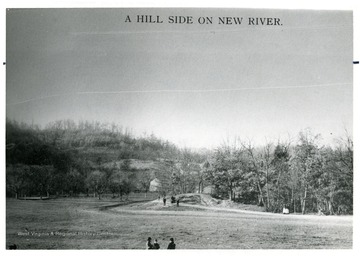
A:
{"x":278,"y":215}
{"x":231,"y":212}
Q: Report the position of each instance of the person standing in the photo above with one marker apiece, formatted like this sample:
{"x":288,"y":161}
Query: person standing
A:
{"x":164,"y":200}
{"x":156,"y":244}
{"x":172,"y":244}
{"x":149,"y":245}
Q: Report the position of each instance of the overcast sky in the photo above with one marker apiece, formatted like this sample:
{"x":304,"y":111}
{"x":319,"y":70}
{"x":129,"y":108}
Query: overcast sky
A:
{"x":192,"y":84}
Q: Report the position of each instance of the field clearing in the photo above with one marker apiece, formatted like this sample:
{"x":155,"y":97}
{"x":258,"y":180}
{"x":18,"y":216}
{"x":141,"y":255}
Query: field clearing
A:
{"x":79,"y":223}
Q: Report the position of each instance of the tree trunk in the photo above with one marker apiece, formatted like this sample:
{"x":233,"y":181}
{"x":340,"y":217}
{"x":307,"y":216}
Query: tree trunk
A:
{"x":267,"y":192}
{"x":261,"y":194}
{"x":278,"y":191}
{"x":267,"y":197}
{"x":304,"y":202}
{"x":331,"y":209}
{"x":200,"y":187}
{"x":230,"y":192}
{"x":293,"y":199}
{"x":331,"y":201}
{"x":303,"y":206}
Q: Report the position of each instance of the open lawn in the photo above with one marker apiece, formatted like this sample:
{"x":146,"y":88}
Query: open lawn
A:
{"x":84,"y":223}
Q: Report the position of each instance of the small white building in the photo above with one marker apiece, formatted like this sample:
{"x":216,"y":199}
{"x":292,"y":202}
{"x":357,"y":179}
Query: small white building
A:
{"x":155,"y":185}
{"x":208,"y":189}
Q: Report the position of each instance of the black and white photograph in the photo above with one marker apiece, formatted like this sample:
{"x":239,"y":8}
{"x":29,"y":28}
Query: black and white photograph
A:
{"x":179,"y":128}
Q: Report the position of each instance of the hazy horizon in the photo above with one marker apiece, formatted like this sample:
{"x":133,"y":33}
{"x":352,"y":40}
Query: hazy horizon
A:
{"x":194,"y":85}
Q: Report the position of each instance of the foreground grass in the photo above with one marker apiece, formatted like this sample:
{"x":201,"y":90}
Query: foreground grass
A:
{"x":80,"y":224}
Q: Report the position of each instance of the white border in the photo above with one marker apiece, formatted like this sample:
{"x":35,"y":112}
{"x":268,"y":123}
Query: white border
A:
{"x":274,"y":4}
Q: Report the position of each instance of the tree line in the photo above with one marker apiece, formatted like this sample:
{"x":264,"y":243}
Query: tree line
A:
{"x":303,"y":177}
{"x":68,"y":158}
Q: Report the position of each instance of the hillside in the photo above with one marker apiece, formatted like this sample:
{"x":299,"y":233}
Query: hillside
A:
{"x":71,"y":158}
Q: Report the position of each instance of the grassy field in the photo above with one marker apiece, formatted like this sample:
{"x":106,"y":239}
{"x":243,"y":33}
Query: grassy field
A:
{"x":83,"y":223}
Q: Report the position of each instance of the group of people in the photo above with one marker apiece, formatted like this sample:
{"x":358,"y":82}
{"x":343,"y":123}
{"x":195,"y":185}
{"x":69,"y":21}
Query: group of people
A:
{"x":173,"y":200}
{"x":150,"y":245}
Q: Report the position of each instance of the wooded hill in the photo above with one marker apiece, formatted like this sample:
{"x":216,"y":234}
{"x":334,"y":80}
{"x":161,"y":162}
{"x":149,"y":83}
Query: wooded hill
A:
{"x":68,"y":158}
{"x":90,"y":157}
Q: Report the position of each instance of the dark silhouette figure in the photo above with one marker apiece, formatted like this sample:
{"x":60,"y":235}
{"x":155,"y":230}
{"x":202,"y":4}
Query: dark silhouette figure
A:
{"x":13,"y":247}
{"x":177,"y":202}
{"x":173,"y":199}
{"x":149,"y":245}
{"x":164,"y":200}
{"x":171,"y":245}
{"x":156,"y":244}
